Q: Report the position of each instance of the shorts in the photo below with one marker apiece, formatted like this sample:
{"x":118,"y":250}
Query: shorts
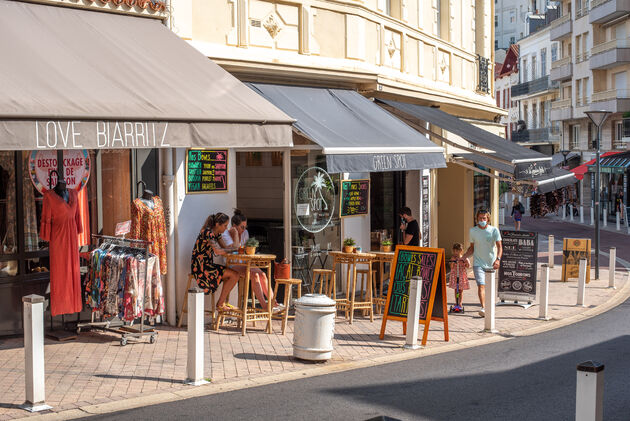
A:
{"x":480,"y":275}
{"x":517,"y":218}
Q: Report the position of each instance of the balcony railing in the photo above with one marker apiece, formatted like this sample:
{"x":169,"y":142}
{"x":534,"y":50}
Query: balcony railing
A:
{"x":610,"y":45}
{"x":533,"y":86}
{"x":610,"y":95}
{"x":545,"y":134}
{"x":605,"y":11}
{"x":595,"y":3}
{"x":582,"y":102}
{"x":561,"y":20}
{"x":560,"y":28}
{"x":559,"y":63}
{"x":483,"y":66}
{"x":561,"y":103}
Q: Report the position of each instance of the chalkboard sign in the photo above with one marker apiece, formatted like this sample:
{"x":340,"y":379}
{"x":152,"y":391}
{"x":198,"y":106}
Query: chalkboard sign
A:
{"x":355,"y":197}
{"x":428,"y":263}
{"x":517,"y":274}
{"x":573,"y":250}
{"x":206,"y":171}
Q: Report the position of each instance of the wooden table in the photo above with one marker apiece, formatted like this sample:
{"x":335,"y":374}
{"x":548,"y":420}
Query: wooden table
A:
{"x":352,"y":260}
{"x":381,"y":258}
{"x":245,"y":314}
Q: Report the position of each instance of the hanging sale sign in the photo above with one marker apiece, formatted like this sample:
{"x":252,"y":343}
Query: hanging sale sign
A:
{"x":76,"y":169}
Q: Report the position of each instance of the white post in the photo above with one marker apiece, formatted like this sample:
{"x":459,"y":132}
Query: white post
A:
{"x":617,"y":221}
{"x":551,"y":251}
{"x":194,"y":365}
{"x":581,"y":283}
{"x":501,"y":216}
{"x":413,"y":315}
{"x":528,"y":209}
{"x":564,"y":211}
{"x":589,"y":393}
{"x":571,"y":212}
{"x":543,"y":301}
{"x":490,"y":301}
{"x":592,"y":217}
{"x":605,"y":216}
{"x":34,"y":371}
{"x":612,"y":267}
{"x":581,"y":214}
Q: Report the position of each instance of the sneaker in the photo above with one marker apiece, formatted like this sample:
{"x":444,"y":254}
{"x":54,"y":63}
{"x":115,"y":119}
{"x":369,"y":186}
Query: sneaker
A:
{"x":482,"y":313}
{"x":278,"y":309}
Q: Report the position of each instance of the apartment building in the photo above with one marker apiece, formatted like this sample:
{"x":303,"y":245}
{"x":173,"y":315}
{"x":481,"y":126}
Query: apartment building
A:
{"x":506,"y":77}
{"x":514,"y":19}
{"x":535,"y":92}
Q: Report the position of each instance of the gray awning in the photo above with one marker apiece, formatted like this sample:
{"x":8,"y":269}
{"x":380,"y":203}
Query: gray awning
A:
{"x":558,"y":158}
{"x":500,"y":147}
{"x":485,"y":161}
{"x":74,"y":78}
{"x":558,"y":179}
{"x":355,"y":134}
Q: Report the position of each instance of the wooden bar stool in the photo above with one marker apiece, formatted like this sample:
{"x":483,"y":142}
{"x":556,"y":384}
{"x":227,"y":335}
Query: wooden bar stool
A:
{"x":327,"y":282}
{"x":365,"y":303}
{"x":288,"y":288}
{"x":184,"y":309}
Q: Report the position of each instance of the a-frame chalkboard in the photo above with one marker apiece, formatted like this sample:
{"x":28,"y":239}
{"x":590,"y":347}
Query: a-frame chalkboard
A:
{"x":428,"y":263}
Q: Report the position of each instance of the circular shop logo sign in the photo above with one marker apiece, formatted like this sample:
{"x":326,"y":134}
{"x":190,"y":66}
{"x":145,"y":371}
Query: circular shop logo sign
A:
{"x":314,"y":199}
{"x":76,"y":168}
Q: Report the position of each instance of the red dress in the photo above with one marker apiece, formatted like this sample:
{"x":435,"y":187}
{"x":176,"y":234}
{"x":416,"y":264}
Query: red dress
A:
{"x":61,"y":226}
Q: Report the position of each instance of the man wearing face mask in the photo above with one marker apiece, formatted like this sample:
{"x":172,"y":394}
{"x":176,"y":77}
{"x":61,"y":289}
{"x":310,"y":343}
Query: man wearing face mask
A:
{"x":487,"y":249}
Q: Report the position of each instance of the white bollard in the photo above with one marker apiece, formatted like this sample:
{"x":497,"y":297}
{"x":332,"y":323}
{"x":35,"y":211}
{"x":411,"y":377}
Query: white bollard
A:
{"x":581,"y":283}
{"x":490,"y":308}
{"x":551,"y":251}
{"x":543,"y":301}
{"x":605,"y":217}
{"x":612,"y":267}
{"x":581,"y":214}
{"x":571,"y":212}
{"x":501,"y":216}
{"x":413,"y":315}
{"x":617,"y":221}
{"x":194,"y":365}
{"x":34,"y":371}
{"x":564,"y":211}
{"x":592,"y":217}
{"x":528,"y":209}
{"x":589,"y":393}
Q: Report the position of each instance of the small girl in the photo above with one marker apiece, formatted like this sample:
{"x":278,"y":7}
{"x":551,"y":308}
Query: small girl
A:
{"x":458,"y":266}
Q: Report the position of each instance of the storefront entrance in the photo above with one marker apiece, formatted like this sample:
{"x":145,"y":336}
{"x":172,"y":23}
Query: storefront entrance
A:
{"x":387,"y":196}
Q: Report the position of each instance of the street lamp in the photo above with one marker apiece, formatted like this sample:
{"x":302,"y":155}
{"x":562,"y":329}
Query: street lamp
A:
{"x":598,"y":118}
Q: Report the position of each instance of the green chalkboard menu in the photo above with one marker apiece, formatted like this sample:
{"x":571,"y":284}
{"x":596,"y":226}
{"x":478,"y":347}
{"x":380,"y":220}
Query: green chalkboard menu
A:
{"x":206,"y":171}
{"x":355,"y":197}
{"x":428,"y":263}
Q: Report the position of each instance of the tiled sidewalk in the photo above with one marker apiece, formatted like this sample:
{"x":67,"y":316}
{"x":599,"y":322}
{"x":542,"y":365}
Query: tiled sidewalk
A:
{"x":96,"y":369}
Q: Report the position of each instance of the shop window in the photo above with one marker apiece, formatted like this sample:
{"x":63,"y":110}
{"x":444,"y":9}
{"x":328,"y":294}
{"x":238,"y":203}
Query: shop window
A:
{"x":8,"y":233}
{"x":116,"y":186}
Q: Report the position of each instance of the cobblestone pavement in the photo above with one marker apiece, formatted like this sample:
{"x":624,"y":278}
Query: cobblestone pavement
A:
{"x":96,"y":369}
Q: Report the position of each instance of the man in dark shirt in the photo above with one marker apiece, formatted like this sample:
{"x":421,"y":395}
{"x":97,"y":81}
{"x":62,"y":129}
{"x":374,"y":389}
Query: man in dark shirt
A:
{"x":410,"y":228}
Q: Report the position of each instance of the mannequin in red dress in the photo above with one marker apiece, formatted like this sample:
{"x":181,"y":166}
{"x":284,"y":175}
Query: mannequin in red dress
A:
{"x":61,"y":226}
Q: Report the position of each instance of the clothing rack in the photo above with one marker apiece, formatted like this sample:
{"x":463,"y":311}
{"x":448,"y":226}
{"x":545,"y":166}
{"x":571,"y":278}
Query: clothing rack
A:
{"x":116,"y":325}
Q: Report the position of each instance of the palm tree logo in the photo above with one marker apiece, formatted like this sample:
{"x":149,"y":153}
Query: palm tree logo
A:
{"x":317,"y":198}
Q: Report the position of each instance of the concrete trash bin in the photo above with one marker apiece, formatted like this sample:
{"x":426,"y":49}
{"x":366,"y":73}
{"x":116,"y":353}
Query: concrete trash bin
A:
{"x":314,"y":327}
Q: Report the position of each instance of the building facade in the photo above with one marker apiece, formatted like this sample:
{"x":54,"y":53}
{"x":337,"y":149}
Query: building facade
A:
{"x":514,"y":19}
{"x":507,"y":77}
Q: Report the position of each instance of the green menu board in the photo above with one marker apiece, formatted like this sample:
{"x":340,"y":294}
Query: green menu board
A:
{"x":206,"y":171}
{"x":355,"y":197}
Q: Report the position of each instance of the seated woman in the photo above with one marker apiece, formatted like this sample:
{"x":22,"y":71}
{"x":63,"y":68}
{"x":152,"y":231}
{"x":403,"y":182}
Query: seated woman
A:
{"x":236,"y":237}
{"x":207,"y":273}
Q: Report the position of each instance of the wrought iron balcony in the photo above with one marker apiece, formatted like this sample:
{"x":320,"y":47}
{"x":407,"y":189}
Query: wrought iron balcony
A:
{"x":538,"y":85}
{"x":544,"y":134}
{"x":483,"y":66}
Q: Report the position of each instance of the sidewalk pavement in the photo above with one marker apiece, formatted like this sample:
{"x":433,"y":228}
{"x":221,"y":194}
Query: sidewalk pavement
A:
{"x":94,"y":374}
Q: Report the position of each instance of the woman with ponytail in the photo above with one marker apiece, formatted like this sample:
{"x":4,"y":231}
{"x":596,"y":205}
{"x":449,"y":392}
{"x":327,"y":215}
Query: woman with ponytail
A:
{"x":207,"y":273}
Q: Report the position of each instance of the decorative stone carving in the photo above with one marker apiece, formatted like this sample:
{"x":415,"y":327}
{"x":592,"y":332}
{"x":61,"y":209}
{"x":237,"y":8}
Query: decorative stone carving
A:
{"x":272,"y":26}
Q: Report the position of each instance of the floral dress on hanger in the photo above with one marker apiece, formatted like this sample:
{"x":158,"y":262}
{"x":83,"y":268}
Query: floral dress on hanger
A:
{"x":207,"y":273}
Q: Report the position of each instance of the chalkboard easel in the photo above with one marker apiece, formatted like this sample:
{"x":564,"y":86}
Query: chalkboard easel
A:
{"x":429,"y":264}
{"x":354,"y":198}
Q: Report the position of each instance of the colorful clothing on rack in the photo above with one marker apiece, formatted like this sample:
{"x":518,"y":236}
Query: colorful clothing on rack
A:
{"x":148,"y":224}
{"x":60,"y":226}
{"x":207,"y":273}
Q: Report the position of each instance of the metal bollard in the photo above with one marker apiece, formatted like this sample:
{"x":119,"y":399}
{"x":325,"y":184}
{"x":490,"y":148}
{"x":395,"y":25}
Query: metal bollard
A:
{"x":571,"y":212}
{"x":489,"y":325}
{"x":528,"y":209}
{"x":589,"y":393}
{"x":543,"y":311}
{"x":617,"y":221}
{"x":592,"y":217}
{"x":194,"y":365}
{"x":605,"y":217}
{"x":415,"y":295}
{"x":551,"y":251}
{"x":581,"y":214}
{"x":564,"y":211}
{"x":34,"y":370}
{"x":612,"y":267}
{"x":581,"y":283}
{"x":501,"y":216}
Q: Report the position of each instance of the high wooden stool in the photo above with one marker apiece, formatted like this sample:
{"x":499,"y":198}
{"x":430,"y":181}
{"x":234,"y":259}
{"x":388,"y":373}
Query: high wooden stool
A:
{"x":184,"y":309}
{"x":364,"y":278}
{"x":327,"y":282}
{"x":288,"y":287}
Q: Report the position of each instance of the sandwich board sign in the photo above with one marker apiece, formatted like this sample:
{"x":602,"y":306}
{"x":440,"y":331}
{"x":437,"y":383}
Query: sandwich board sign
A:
{"x":573,"y":250}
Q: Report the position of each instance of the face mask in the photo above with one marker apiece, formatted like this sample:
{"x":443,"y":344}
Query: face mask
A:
{"x":482,"y":223}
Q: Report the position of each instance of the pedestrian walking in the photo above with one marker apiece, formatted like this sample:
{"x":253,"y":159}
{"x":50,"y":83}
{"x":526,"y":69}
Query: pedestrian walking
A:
{"x":517,"y":213}
{"x":486,"y":249}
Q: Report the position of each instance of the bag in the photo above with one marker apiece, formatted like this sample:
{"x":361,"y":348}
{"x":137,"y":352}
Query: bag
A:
{"x":282,"y":270}
{"x":521,"y":208}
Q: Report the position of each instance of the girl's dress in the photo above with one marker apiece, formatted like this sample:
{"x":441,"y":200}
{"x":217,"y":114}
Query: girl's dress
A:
{"x":207,"y":273}
{"x":463,"y":276}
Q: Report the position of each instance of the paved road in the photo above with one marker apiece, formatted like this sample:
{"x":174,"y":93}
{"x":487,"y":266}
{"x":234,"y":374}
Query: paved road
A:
{"x":528,"y":378}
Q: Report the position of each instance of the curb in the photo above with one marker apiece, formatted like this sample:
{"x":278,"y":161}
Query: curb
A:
{"x":228,"y":386}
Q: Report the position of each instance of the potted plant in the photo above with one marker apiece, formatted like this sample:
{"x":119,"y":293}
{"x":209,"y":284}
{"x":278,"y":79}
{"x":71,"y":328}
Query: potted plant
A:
{"x":348,"y":245}
{"x":250,"y":246}
{"x":386,"y":245}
